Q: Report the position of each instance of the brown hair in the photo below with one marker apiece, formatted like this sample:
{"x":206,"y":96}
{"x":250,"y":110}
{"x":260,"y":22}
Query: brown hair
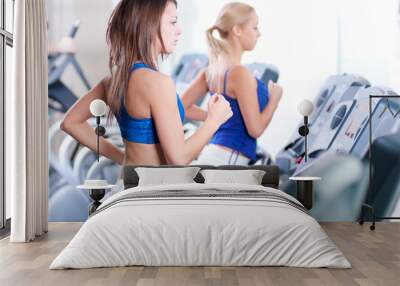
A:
{"x":132,"y":30}
{"x":232,"y":14}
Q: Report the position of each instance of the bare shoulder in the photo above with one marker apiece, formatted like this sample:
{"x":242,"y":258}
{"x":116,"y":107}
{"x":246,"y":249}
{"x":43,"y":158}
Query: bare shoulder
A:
{"x":105,"y":85}
{"x":153,"y":83}
{"x":156,"y":80}
{"x":240,"y":73}
{"x":240,"y":77}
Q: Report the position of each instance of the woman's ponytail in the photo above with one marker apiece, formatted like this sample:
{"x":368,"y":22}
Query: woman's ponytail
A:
{"x":232,"y":14}
{"x":216,"y":46}
{"x":218,"y":52}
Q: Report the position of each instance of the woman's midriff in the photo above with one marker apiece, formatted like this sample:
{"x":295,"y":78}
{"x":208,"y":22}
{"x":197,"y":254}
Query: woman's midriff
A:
{"x":143,"y":154}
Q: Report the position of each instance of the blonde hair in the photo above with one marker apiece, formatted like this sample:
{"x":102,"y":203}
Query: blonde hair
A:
{"x":232,"y":14}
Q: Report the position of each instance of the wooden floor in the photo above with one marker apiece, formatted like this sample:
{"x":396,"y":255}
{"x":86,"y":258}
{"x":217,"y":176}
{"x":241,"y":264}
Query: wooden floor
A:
{"x":374,"y":255}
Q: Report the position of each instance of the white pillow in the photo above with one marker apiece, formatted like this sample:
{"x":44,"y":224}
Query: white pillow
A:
{"x":162,"y":176}
{"x":248,"y":177}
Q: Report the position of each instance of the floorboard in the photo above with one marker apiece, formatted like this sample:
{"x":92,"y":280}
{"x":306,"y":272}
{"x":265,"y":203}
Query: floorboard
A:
{"x":374,"y":255}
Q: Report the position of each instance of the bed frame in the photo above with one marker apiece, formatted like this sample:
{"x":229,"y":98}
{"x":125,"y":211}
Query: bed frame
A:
{"x":270,"y":179}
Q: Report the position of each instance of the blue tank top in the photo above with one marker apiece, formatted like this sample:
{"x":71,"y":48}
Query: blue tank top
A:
{"x":141,"y":130}
{"x":233,"y":133}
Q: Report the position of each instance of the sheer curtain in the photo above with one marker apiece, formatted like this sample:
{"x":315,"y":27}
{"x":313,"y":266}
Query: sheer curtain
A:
{"x":26,"y":124}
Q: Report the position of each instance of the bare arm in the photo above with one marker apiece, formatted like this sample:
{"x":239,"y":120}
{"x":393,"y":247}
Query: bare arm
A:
{"x":244,"y":87}
{"x":75,"y":124}
{"x":196,"y":113}
{"x":164,"y":109}
{"x":197,"y":89}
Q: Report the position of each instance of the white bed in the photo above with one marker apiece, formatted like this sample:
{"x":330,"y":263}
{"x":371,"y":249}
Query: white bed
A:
{"x":203,"y":225}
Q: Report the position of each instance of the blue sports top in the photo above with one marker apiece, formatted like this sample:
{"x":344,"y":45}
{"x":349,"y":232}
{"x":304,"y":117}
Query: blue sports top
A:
{"x":141,"y":130}
{"x":233,"y":133}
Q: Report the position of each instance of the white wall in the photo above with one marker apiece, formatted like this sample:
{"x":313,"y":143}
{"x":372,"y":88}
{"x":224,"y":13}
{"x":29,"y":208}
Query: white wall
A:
{"x":370,"y":38}
{"x":308,"y":40}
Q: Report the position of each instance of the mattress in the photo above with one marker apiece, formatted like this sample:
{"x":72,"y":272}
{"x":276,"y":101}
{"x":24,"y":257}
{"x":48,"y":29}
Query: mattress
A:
{"x":201,"y":225}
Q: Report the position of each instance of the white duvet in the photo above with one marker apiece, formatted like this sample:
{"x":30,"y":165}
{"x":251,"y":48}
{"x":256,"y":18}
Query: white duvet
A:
{"x":184,"y":230}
